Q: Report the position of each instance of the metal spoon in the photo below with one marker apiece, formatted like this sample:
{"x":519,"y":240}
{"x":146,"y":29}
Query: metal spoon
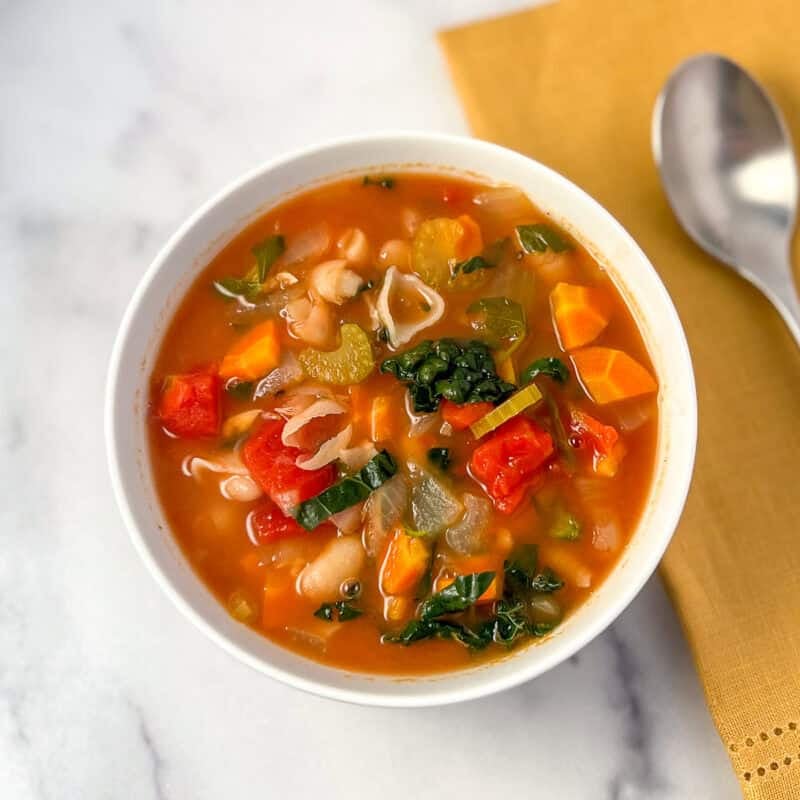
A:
{"x":728,"y":167}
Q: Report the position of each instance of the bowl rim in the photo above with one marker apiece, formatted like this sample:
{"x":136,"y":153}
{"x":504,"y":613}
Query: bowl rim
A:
{"x":442,"y":695}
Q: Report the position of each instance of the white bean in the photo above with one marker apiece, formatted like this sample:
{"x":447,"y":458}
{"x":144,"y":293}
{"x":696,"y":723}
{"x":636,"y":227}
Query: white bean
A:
{"x":339,"y":560}
{"x":395,"y":253}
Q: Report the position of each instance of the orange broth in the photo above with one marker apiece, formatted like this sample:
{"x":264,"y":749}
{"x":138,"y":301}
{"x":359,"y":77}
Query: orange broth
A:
{"x":258,"y":580}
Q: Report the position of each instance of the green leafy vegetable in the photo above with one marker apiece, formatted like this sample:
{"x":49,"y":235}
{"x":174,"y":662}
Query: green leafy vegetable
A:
{"x":418,"y":629}
{"x":521,"y":567}
{"x":384,"y":181}
{"x":267,"y":253}
{"x":513,"y":618}
{"x":539,"y":237}
{"x":458,"y":596}
{"x":521,"y":576}
{"x":340,"y":611}
{"x":552,"y":367}
{"x":233,"y":288}
{"x":546,"y":582}
{"x":564,"y":526}
{"x":501,"y":319}
{"x":509,"y":623}
{"x":463,"y":373}
{"x":439,"y":457}
{"x":347,"y":492}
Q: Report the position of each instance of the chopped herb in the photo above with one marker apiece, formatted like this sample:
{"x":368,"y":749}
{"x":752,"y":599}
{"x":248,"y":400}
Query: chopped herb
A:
{"x":425,"y":306}
{"x":501,"y":319}
{"x":267,"y":253}
{"x":458,"y":596}
{"x":243,"y":390}
{"x":439,"y":457}
{"x":340,"y":611}
{"x":384,"y":181}
{"x":552,"y":367}
{"x":463,"y":373}
{"x":539,"y":237}
{"x":414,"y":534}
{"x":347,"y":492}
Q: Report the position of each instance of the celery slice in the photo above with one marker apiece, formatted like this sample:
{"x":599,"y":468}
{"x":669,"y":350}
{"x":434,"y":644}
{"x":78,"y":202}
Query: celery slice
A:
{"x":505,"y":411}
{"x":351,"y":363}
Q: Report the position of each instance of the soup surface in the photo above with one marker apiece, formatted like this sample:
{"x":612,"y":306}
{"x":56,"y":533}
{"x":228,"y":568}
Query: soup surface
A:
{"x":403,"y":423}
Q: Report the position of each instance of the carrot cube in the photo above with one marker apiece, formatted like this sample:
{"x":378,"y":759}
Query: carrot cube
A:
{"x":404,"y":564}
{"x":609,"y":375}
{"x":254,"y":355}
{"x":580,"y":314}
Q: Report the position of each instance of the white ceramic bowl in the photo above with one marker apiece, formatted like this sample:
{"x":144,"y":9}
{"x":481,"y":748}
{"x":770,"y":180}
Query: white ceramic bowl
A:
{"x":213,"y":225}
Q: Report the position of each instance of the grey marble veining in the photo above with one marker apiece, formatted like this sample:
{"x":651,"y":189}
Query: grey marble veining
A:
{"x":117,"y":120}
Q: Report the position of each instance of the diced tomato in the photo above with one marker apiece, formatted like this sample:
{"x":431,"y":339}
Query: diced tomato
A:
{"x":268,"y":523}
{"x":461,"y":417}
{"x":603,"y":441}
{"x":273,"y":467}
{"x":510,"y":460}
{"x":189,"y":406}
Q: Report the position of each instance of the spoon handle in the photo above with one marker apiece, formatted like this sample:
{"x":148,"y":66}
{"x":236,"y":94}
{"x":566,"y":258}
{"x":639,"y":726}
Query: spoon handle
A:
{"x":781,"y":292}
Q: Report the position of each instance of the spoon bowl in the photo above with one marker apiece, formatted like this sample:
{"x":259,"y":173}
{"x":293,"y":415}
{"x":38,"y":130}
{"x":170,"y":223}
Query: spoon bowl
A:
{"x":728,"y":167}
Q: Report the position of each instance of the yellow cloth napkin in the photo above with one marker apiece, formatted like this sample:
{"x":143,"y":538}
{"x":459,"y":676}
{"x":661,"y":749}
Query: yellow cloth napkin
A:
{"x":573,"y":85}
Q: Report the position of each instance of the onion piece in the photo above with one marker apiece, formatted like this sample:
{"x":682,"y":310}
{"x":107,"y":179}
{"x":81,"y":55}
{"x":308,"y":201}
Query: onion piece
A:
{"x":468,"y":535}
{"x":311,"y":319}
{"x":328,"y":451}
{"x":310,"y":245}
{"x":349,"y":520}
{"x":241,"y":488}
{"x":420,"y":423}
{"x":433,"y":506}
{"x":285,"y":374}
{"x":318,"y":408}
{"x":503,"y":201}
{"x":334,"y":282}
{"x":382,"y":511}
{"x":356,"y":457}
{"x":630,"y":415}
{"x":353,"y":246}
{"x":399,"y":334}
{"x":607,"y":535}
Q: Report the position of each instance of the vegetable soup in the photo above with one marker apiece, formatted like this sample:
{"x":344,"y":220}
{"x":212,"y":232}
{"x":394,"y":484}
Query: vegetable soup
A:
{"x":403,"y":423}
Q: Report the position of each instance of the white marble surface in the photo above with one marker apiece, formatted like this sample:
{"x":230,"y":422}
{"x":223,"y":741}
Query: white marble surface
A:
{"x":118,"y":118}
